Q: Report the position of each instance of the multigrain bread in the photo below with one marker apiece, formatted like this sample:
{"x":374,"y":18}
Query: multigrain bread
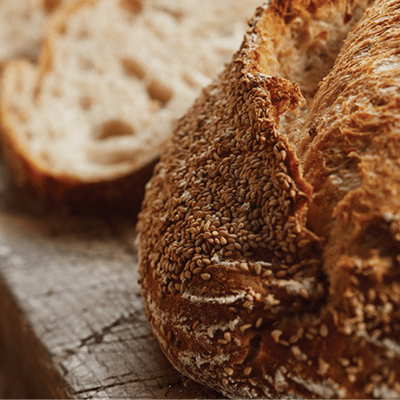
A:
{"x":84,"y":129}
{"x":270,"y":232}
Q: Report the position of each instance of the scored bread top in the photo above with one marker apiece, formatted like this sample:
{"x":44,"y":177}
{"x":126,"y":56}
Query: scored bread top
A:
{"x":269,"y":234}
{"x":112,"y":77}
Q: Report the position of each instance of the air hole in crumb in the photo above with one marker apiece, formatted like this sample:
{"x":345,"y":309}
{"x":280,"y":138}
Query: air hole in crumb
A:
{"x":114,"y":128}
{"x":85,"y":102}
{"x":159,"y":92}
{"x":26,"y":16}
{"x":133,"y":6}
{"x":19,"y":113}
{"x":104,"y":156}
{"x":177,"y":14}
{"x":30,"y":54}
{"x":50,"y":5}
{"x":87,"y":64}
{"x":44,"y":155}
{"x":83,"y":34}
{"x":132,"y":67}
{"x":189,"y":80}
{"x":62,"y":29}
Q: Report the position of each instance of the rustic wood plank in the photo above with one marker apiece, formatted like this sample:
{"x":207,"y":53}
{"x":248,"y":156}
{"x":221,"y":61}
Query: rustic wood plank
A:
{"x":72,"y":322}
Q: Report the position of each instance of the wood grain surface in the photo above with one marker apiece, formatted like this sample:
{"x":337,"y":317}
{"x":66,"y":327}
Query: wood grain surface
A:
{"x":72,"y":323}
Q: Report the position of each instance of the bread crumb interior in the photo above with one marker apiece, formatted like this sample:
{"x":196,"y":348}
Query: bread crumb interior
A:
{"x":106,"y":63}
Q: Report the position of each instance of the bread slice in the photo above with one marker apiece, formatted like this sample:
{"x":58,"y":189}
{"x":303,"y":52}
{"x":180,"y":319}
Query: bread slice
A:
{"x":270,"y":230}
{"x":85,"y":127}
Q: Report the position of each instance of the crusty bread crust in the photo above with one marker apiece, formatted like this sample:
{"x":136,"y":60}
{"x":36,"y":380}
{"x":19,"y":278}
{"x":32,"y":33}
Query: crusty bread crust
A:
{"x":269,"y":244}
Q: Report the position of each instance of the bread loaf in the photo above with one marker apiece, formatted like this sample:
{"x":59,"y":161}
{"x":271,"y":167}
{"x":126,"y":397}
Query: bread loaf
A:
{"x":85,"y":127}
{"x":270,"y":232}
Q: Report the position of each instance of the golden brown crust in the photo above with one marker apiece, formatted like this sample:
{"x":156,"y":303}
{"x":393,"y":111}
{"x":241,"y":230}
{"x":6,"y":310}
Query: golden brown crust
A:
{"x":268,"y":262}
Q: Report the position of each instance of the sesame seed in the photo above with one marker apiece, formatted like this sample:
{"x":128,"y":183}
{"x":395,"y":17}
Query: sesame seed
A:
{"x":281,"y":274}
{"x":227,"y":336}
{"x":195,"y":324}
{"x":304,"y":293}
{"x":245,"y":327}
{"x":352,"y":378}
{"x":296,"y":351}
{"x":247,"y":303}
{"x":293,"y":339}
{"x":229,"y":370}
{"x":243,"y":267}
{"x":369,"y":387}
{"x":344,"y":361}
{"x":309,"y":336}
{"x":371,"y":294}
{"x":303,"y":243}
{"x":346,"y":330}
{"x":238,"y":246}
{"x":267,"y":273}
{"x":292,"y":248}
{"x":247,"y":371}
{"x":276,"y":334}
{"x":312,"y":330}
{"x":225,"y":382}
{"x":323,"y":331}
{"x":258,"y":269}
{"x":206,"y":276}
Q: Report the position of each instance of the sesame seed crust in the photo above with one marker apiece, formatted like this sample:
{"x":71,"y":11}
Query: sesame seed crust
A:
{"x":268,"y":243}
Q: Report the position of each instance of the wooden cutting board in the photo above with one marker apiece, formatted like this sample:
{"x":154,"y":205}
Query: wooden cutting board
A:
{"x":72,"y":322}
